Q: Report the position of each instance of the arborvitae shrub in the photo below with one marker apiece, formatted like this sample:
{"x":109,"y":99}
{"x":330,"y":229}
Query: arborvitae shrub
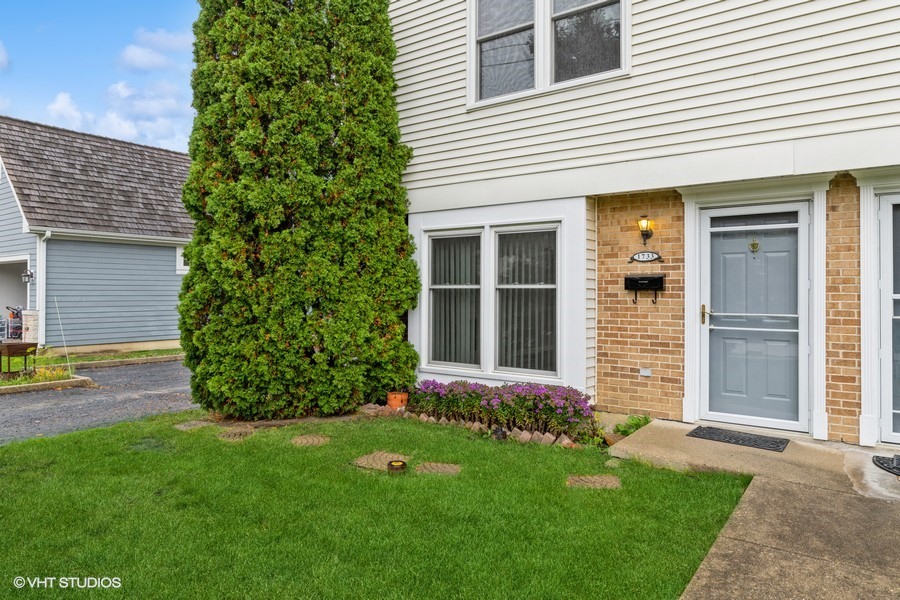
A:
{"x":301,"y":263}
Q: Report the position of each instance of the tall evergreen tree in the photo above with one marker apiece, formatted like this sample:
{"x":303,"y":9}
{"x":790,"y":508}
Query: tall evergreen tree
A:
{"x":301,"y":263}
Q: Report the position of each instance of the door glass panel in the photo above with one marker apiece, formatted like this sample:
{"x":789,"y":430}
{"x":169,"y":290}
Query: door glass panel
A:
{"x":783,"y":218}
{"x":896,"y":362}
{"x":754,"y":327}
{"x":895,"y":406}
{"x":896,"y":249}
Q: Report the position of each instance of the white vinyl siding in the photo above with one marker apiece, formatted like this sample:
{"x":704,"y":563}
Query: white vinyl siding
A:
{"x":703,"y":76}
{"x":107,"y":293}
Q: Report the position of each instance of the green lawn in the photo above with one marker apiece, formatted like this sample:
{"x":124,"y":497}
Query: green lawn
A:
{"x":185,"y":514}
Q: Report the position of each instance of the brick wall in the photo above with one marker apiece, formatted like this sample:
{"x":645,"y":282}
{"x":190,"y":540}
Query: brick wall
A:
{"x":631,"y":336}
{"x":842,"y":338}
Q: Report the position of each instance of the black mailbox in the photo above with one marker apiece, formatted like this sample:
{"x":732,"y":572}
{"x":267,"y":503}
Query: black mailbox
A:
{"x":650,"y":283}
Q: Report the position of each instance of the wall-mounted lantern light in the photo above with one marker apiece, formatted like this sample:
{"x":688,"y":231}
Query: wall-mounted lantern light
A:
{"x":646,"y":227}
{"x":27,"y":276}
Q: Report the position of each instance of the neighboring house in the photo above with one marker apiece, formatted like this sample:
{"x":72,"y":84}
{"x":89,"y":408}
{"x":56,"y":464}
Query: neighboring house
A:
{"x":100,"y":223}
{"x":761,"y":138}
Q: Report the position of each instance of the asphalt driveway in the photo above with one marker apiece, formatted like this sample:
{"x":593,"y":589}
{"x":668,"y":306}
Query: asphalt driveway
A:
{"x":123,"y":393}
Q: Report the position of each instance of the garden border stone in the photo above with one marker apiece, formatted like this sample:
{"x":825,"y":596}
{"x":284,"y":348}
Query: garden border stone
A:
{"x":75,"y":381}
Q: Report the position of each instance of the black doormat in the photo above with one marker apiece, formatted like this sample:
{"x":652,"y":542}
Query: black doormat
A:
{"x":740,"y":438}
{"x":891,"y":465}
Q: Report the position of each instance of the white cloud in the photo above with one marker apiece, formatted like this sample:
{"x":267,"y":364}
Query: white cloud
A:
{"x":116,"y":126}
{"x":120,"y":90}
{"x":157,"y":114}
{"x":4,"y":57}
{"x":139,"y":58}
{"x":165,"y":41}
{"x":160,"y":99}
{"x":64,"y":111}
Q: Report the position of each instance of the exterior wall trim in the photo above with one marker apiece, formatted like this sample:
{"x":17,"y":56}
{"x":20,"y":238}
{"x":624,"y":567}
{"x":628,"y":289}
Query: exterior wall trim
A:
{"x":102,"y":236}
{"x":872,"y":182}
{"x":805,"y":188}
{"x":16,"y":196}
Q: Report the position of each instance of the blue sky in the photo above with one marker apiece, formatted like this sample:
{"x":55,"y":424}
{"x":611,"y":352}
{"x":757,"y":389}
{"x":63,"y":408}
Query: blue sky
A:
{"x":118,"y":68}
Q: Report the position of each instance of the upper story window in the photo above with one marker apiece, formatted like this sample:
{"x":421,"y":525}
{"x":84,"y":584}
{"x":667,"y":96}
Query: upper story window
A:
{"x":526,"y":45}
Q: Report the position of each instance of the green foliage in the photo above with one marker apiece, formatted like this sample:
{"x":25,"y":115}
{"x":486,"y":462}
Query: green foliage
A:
{"x":301,"y":261}
{"x":632,"y":424}
{"x":535,"y":407}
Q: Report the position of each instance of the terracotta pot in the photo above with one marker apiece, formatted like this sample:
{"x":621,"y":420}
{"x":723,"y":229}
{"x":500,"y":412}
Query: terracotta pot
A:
{"x":397,"y":400}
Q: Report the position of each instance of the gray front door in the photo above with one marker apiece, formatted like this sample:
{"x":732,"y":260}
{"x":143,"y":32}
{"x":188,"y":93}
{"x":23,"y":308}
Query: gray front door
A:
{"x":753,"y":316}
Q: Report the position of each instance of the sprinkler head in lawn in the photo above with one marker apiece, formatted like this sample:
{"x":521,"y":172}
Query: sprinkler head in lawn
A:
{"x":396,"y":466}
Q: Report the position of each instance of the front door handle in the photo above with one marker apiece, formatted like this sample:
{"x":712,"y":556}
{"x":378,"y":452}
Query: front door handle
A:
{"x":703,"y":313}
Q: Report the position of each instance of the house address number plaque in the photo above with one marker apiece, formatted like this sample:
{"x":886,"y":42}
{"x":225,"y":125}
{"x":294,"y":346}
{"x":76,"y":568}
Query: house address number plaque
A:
{"x":645,"y":257}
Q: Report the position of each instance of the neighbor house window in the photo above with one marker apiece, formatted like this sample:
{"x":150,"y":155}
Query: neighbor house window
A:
{"x":517,"y":299}
{"x":522,"y":45}
{"x":181,"y":266}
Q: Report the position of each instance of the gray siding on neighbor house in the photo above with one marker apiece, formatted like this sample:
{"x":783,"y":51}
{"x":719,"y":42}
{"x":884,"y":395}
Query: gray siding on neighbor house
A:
{"x":12,"y":241}
{"x":110,"y":293}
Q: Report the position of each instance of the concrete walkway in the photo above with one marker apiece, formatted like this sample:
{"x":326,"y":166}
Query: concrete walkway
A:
{"x":817,"y":521}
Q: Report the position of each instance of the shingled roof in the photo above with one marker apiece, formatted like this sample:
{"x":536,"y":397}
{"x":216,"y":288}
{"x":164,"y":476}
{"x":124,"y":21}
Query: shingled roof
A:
{"x":77,"y":181}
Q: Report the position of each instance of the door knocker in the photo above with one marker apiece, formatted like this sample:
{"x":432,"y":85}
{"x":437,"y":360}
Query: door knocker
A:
{"x":754,"y":246}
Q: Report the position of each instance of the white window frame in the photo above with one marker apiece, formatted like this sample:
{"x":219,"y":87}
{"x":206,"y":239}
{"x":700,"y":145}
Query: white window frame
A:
{"x":495,"y":292}
{"x":569,"y":215}
{"x":887,"y":203}
{"x":543,"y":55}
{"x":429,"y":287}
{"x":876,"y":310}
{"x":181,"y":267}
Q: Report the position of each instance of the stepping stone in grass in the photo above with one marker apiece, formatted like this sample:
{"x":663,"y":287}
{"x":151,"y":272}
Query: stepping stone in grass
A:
{"x":312,"y":439}
{"x":600,"y":482}
{"x":378,"y":461}
{"x":438,"y":468}
{"x":236,"y":434}
{"x":188,"y":425}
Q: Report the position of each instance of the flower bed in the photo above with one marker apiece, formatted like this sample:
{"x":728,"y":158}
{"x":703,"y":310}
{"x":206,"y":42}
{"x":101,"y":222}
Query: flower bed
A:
{"x":545,"y":408}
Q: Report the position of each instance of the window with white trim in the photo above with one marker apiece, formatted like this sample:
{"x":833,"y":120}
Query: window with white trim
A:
{"x":181,"y":266}
{"x":455,"y":289}
{"x":524,"y":331}
{"x":522,"y":45}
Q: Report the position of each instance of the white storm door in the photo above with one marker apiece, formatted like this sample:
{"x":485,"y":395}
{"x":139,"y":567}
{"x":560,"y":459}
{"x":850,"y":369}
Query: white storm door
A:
{"x":754,"y":323}
{"x":890,"y":317}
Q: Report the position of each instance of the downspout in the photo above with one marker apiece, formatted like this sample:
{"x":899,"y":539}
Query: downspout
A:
{"x":42,"y":287}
